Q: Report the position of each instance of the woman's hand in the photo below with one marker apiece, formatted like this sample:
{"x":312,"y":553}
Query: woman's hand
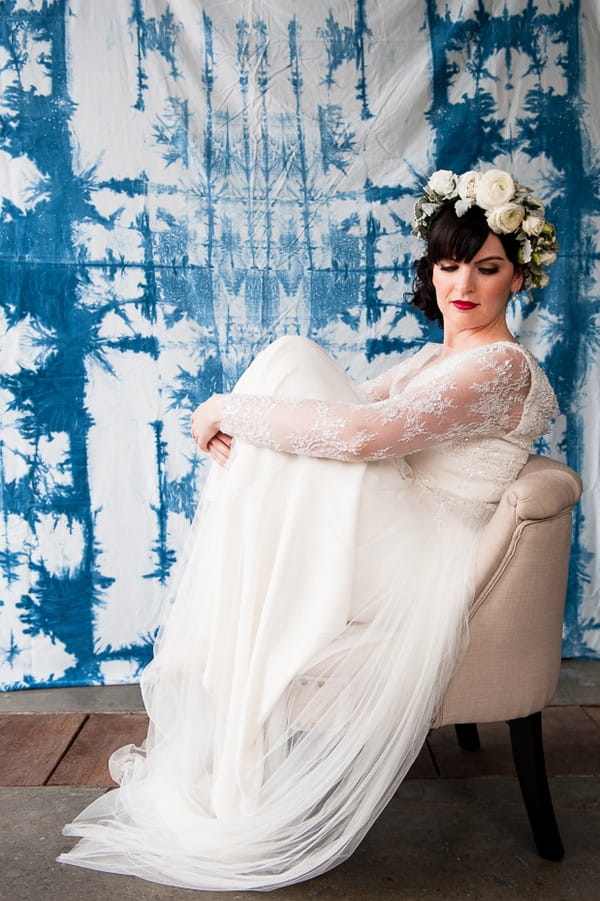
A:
{"x":206,"y":430}
{"x":219,"y":448}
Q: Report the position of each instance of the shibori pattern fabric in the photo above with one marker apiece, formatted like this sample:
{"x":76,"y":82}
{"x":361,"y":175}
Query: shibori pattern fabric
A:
{"x":183,"y":182}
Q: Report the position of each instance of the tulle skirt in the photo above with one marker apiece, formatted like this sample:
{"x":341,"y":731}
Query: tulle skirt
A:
{"x":320,"y":611}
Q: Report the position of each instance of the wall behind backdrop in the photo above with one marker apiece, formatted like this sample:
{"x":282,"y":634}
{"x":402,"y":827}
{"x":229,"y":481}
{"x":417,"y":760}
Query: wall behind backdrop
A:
{"x":182,"y":182}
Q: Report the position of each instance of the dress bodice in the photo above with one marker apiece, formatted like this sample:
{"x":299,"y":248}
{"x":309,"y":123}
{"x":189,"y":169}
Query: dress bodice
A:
{"x":475,"y":470}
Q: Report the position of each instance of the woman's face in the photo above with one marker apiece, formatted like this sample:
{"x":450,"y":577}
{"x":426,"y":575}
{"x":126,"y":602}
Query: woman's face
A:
{"x":475,"y":294}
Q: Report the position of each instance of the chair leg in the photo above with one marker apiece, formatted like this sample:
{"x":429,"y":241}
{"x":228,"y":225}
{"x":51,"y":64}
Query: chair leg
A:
{"x":528,"y":755}
{"x":468,"y":736}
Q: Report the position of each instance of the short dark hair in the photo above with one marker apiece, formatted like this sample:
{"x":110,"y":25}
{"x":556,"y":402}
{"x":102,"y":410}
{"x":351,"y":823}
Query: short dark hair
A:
{"x":453,"y":237}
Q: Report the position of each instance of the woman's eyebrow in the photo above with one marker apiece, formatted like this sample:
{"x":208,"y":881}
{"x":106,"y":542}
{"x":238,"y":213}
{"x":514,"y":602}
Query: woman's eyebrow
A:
{"x":487,"y":259}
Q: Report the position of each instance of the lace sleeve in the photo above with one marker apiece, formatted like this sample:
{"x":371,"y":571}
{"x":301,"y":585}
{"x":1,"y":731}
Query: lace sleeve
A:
{"x":476,"y":393}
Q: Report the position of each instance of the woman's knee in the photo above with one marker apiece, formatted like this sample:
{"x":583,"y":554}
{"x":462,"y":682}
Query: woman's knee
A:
{"x":290,"y":351}
{"x":293,"y":344}
{"x":275,"y":362}
{"x":295,"y":365}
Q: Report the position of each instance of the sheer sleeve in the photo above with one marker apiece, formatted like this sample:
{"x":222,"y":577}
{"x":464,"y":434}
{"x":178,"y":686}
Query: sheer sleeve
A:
{"x":480,"y":392}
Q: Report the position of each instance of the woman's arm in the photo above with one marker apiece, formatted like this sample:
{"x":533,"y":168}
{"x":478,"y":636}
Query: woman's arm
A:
{"x":477,"y":393}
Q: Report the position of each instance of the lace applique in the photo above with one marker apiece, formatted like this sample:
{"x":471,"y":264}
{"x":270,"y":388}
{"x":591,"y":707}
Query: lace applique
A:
{"x":482,"y":392}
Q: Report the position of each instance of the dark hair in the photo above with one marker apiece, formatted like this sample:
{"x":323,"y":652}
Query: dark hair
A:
{"x":453,"y":237}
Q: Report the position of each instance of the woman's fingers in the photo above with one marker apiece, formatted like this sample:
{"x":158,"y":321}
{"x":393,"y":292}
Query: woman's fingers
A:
{"x":224,"y":439}
{"x":219,"y":448}
{"x":217,"y":456}
{"x":224,"y":446}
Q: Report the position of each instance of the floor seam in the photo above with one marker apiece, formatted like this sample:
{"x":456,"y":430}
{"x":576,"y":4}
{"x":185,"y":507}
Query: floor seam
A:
{"x":66,"y":750}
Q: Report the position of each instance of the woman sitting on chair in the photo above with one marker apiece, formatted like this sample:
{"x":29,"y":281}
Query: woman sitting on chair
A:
{"x":322,"y":606}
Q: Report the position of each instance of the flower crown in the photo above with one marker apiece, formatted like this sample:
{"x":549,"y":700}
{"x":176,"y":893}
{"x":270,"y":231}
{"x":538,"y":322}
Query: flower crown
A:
{"x":510,"y":209}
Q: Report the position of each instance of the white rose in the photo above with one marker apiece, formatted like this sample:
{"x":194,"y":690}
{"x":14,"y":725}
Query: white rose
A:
{"x":495,"y":188}
{"x":443,"y":183}
{"x":467,"y":185}
{"x":545,"y":257}
{"x":461,"y":207}
{"x":505,"y":219}
{"x":533,"y":225}
{"x":542,"y":279}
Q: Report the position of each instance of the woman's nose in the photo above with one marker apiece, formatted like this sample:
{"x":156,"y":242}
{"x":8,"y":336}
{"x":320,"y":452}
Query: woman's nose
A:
{"x":464,"y":278}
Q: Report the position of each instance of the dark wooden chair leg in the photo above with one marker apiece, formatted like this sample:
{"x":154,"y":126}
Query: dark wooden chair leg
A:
{"x":528,"y":754}
{"x":468,"y":736}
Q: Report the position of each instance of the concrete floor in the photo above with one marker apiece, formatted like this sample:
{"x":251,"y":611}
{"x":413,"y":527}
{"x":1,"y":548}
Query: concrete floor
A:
{"x":456,"y":839}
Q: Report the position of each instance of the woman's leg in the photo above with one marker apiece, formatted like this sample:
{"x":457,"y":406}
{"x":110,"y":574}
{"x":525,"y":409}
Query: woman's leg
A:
{"x":268,"y":583}
{"x":297,"y":367}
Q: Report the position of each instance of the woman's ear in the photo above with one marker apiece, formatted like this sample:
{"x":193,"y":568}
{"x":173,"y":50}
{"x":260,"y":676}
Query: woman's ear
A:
{"x":517,"y":282}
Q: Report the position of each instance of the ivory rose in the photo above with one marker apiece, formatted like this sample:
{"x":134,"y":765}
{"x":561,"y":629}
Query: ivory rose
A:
{"x":495,"y":188}
{"x":505,"y":219}
{"x":443,"y":183}
{"x":533,"y":225}
{"x":467,"y":185}
{"x":545,"y":257}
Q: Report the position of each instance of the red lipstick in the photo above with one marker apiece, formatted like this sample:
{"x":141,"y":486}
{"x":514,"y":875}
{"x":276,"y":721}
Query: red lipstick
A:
{"x":463,"y":304}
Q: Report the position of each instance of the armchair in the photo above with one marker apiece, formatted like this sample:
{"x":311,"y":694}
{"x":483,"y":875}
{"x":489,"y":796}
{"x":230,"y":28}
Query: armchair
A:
{"x":511,"y":666}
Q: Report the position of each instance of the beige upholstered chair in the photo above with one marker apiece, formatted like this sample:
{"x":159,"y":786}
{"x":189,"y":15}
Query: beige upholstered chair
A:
{"x":511,"y":666}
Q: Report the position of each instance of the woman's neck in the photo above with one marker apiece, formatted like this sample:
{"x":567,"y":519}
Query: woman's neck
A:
{"x":463,"y":339}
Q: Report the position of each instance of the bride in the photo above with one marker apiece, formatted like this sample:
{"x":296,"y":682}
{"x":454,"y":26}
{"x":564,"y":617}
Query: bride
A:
{"x":323,"y":598}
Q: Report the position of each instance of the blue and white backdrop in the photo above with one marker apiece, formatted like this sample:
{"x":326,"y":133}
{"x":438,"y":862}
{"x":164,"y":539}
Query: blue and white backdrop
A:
{"x":182,"y":181}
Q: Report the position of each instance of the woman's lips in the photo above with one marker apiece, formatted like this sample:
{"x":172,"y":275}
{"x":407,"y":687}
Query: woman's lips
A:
{"x":463,"y":304}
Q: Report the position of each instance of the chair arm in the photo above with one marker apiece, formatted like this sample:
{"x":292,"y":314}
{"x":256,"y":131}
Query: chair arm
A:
{"x":543,"y":489}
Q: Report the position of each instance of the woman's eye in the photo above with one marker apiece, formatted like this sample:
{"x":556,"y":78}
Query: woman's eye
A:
{"x":488,"y":270}
{"x":448,"y":267}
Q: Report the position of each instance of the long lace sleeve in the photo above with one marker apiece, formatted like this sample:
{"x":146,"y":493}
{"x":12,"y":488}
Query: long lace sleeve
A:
{"x":476,"y":393}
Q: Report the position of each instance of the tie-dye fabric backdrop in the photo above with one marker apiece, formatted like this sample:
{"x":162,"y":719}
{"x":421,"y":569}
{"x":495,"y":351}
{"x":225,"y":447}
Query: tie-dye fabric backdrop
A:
{"x":183,"y":181}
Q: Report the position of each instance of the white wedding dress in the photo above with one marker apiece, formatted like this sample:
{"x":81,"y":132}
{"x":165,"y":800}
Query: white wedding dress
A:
{"x":320,"y":612}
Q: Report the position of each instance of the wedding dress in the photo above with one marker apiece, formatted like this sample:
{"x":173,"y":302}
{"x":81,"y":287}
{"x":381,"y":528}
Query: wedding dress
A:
{"x":320,"y":612}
